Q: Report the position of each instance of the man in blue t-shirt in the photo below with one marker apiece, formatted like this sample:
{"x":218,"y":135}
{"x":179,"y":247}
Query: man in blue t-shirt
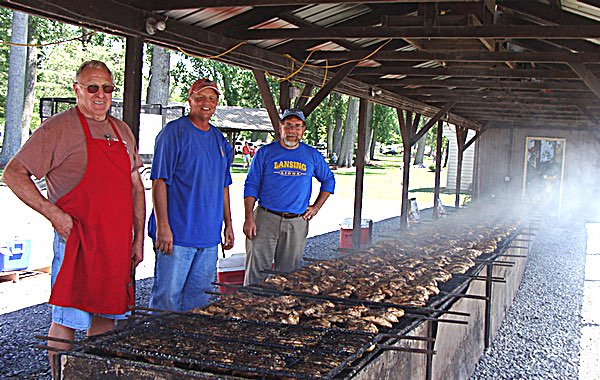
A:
{"x":190,"y":191}
{"x":280,"y":178}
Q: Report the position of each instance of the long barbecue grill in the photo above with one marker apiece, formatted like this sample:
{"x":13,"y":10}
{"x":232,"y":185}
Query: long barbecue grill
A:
{"x":328,"y":327}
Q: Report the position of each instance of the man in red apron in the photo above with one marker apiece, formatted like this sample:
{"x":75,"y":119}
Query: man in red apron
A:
{"x":95,"y":204}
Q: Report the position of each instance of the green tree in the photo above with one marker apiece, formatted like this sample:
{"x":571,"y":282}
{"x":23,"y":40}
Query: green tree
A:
{"x":386,"y":125}
{"x":17,"y":64}
{"x":236,"y":84}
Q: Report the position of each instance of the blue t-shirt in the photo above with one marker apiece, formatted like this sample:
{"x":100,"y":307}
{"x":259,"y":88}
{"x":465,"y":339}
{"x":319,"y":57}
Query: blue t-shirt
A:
{"x":281,"y":179}
{"x":195,"y":167}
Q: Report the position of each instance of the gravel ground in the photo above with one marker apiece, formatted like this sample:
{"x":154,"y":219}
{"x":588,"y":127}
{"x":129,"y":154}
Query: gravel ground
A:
{"x":540,"y":336}
{"x":539,"y":339}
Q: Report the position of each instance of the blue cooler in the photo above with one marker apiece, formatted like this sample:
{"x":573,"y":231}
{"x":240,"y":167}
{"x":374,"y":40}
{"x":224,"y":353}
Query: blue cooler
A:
{"x":14,"y":255}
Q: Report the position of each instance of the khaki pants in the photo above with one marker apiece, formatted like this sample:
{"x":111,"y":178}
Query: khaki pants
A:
{"x":278,"y":240}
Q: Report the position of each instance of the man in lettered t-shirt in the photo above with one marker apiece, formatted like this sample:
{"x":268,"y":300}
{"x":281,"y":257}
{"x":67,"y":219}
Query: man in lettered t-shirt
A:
{"x":280,"y":179}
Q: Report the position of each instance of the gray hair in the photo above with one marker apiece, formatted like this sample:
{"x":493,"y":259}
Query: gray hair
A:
{"x":92,"y":64}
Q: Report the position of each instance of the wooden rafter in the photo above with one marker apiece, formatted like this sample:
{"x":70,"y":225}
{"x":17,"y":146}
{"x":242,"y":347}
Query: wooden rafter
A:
{"x":476,"y":137}
{"x":468,"y":56}
{"x":461,"y":138}
{"x":304,"y":96}
{"x":432,"y":32}
{"x":587,"y":76}
{"x":432,"y":122}
{"x":267,"y":98}
{"x":156,"y":5}
{"x":493,"y":83}
{"x":473,"y":72}
{"x":328,"y":87}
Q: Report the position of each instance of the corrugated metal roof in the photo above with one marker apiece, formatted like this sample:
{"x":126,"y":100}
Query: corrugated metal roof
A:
{"x":325,"y":15}
{"x":581,"y":8}
{"x":207,"y":17}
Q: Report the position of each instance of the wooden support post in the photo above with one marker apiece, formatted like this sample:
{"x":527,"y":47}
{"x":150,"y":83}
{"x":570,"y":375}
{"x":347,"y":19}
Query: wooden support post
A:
{"x":360,"y":172}
{"x":284,"y":95}
{"x":267,"y":98}
{"x":407,"y":132}
{"x":132,"y":94}
{"x":461,"y":137}
{"x":476,"y":175}
{"x":432,"y":122}
{"x":438,"y":169}
{"x":303,"y":99}
{"x":327,"y":88}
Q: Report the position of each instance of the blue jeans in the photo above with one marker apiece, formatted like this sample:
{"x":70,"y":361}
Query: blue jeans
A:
{"x":181,"y":278}
{"x":68,"y":316}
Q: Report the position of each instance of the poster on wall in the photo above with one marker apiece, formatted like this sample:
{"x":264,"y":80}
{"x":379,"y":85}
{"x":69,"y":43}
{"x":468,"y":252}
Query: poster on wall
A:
{"x":544,"y":167}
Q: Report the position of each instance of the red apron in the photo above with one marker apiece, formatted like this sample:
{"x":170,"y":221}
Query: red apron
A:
{"x":95,"y":273}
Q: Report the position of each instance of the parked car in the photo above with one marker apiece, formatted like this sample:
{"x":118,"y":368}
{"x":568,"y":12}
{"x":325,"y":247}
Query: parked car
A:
{"x":237,"y":147}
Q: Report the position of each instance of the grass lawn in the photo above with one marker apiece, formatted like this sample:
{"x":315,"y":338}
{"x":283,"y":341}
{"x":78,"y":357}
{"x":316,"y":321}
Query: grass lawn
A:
{"x":383,"y":180}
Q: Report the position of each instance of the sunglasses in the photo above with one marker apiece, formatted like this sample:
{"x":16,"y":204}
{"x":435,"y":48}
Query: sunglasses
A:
{"x":93,"y":88}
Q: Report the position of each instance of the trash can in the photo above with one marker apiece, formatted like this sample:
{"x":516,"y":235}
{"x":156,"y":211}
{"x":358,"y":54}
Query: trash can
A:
{"x":346,"y":227}
{"x":231,"y":270}
{"x":14,"y":255}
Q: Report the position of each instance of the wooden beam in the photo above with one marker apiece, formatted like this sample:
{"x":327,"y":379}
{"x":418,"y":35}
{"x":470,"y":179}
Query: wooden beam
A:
{"x":132,"y":94}
{"x":587,"y":76}
{"x":589,"y":115}
{"x":461,"y":138}
{"x":267,"y":98}
{"x":595,"y":131}
{"x":490,"y":44}
{"x":492,"y":83}
{"x":540,"y":115}
{"x":157,"y":5}
{"x":475,"y":138}
{"x":415,"y":125}
{"x":405,"y":122}
{"x":444,"y":95}
{"x":463,"y":56}
{"x":360,"y":172}
{"x":562,"y":124}
{"x":329,"y":86}
{"x":306,"y":94}
{"x":535,"y":12}
{"x":284,"y":95}
{"x":563,"y":127}
{"x":428,"y":32}
{"x":119,"y":18}
{"x":438,"y":168}
{"x":368,"y":19}
{"x":432,"y":122}
{"x":469,"y":99}
{"x":471,"y":72}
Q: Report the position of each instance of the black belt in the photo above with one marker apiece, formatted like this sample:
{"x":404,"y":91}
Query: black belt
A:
{"x":287,"y":215}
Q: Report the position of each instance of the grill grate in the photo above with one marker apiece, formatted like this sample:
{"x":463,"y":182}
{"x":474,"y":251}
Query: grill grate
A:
{"x":196,"y":342}
{"x":255,"y":348}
